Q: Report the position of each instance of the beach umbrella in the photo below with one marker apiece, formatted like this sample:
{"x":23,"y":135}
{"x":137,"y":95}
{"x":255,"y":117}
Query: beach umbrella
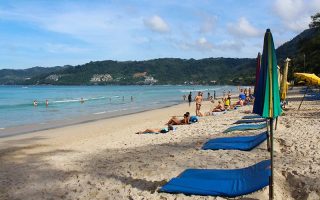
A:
{"x":284,"y":83}
{"x":267,"y":100}
{"x":257,"y":72}
{"x":310,"y":79}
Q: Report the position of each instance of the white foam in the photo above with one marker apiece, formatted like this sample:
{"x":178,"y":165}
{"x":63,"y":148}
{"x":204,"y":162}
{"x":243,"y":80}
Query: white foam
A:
{"x":99,"y":113}
{"x":2,"y":128}
{"x":66,"y":101}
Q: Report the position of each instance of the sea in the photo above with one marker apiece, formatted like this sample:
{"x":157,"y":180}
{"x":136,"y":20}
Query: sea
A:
{"x":78,"y":104}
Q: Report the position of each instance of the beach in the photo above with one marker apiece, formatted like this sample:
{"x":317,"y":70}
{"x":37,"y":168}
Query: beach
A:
{"x":105,"y":159}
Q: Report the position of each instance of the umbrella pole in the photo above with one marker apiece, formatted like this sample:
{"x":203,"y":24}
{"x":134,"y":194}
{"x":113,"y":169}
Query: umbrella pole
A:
{"x":268,"y":139}
{"x":271,"y":155}
{"x":303,"y":97}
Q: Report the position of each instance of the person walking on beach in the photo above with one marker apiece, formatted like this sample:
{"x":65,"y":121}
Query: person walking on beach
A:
{"x":198,"y":101}
{"x":184,"y":97}
{"x":208,"y":96}
{"x":190,"y":98}
{"x":214,"y":95}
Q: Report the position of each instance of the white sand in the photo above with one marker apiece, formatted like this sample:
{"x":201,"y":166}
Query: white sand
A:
{"x":106,"y":160}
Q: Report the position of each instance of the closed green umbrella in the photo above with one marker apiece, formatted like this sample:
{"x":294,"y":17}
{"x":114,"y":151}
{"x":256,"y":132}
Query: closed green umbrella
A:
{"x":267,"y":100}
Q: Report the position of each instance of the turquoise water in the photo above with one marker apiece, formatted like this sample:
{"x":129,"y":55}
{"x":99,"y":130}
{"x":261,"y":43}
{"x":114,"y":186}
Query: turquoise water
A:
{"x":16,"y":102}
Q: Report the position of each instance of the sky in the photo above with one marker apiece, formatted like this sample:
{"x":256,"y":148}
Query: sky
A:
{"x":70,"y":32}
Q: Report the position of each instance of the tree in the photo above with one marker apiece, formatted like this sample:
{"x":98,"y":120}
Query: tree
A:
{"x":315,"y":21}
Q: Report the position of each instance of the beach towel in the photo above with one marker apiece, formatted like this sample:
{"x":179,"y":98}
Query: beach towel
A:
{"x":221,"y":182}
{"x":249,"y":121}
{"x":244,"y":127}
{"x":193,"y":119}
{"x":252,"y":117}
{"x":243,"y":143}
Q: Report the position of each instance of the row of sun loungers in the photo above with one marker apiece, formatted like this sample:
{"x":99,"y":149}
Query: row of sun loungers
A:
{"x":227,"y":182}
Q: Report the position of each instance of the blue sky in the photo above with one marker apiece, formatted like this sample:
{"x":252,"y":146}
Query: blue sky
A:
{"x":51,"y":33}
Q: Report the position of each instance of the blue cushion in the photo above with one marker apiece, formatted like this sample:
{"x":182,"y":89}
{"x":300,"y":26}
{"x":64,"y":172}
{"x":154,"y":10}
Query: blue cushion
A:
{"x":221,"y":182}
{"x":244,"y":143}
{"x":243,"y":127}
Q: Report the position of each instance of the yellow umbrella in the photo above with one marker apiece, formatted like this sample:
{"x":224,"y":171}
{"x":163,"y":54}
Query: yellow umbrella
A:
{"x":311,"y":79}
{"x":284,"y":83}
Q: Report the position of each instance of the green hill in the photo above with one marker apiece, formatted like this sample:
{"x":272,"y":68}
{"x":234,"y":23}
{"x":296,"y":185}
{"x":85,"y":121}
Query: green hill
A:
{"x":173,"y":70}
{"x":305,"y":47}
{"x":157,"y":71}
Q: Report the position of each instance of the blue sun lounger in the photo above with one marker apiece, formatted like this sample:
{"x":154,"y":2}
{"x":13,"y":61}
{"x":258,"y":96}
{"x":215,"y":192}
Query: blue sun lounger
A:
{"x":252,"y":117}
{"x":250,"y":121}
{"x":243,"y":143}
{"x":221,"y":182}
{"x":244,"y":127}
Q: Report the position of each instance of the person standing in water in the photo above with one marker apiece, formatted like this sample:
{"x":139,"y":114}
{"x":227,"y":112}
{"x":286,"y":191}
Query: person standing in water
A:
{"x":47,"y":103}
{"x":198,"y":101}
{"x":81,"y":100}
{"x":35,"y":103}
{"x":190,"y":98}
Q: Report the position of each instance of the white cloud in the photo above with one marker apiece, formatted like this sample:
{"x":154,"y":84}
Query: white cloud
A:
{"x":208,"y":24}
{"x":157,"y":24}
{"x":299,"y":24}
{"x":95,"y":26}
{"x":203,"y":44}
{"x":200,"y":44}
{"x":243,"y":28}
{"x":295,"y":14}
{"x":289,"y":9}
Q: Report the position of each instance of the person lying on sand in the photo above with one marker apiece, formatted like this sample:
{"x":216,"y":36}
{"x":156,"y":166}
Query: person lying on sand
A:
{"x":240,"y":103}
{"x":157,"y":130}
{"x":219,"y":107}
{"x":176,"y":121}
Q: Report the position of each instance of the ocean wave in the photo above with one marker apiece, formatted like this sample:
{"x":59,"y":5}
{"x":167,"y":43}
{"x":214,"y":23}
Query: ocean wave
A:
{"x":68,"y":100}
{"x":200,"y":90}
{"x":100,"y":113}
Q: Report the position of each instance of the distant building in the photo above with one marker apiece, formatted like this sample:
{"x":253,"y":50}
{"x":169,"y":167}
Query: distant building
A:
{"x":96,"y":78}
{"x":53,"y":77}
{"x":150,"y":80}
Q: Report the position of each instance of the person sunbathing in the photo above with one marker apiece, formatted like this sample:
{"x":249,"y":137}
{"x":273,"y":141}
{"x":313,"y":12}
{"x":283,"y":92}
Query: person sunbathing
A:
{"x":156,"y":130}
{"x":219,"y":107}
{"x":239,"y":103}
{"x":176,"y":121}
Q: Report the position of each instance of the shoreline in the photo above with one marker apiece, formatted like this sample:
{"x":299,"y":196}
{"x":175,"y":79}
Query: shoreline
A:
{"x":54,"y":124}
